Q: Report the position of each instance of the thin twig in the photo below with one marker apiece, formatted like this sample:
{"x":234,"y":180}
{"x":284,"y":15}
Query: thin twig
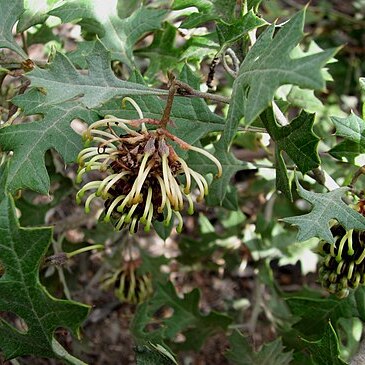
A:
{"x":323,"y":178}
{"x":358,"y":173}
{"x":259,"y":288}
{"x":186,"y":90}
{"x":170,"y":99}
{"x":57,"y":248}
{"x":24,"y":41}
{"x":11,"y":64}
{"x":227,"y":67}
{"x":269,"y":207}
{"x":252,"y":129}
{"x":13,"y":108}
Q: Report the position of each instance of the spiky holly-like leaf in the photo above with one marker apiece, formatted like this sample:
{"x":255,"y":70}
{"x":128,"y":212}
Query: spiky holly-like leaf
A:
{"x":297,"y":140}
{"x":271,"y":353}
{"x":21,"y":293}
{"x":61,"y":82}
{"x":207,"y":10}
{"x":30,"y":141}
{"x":10,"y":12}
{"x":118,"y":35}
{"x":326,"y":206}
{"x":269,"y":65}
{"x":230,"y":33}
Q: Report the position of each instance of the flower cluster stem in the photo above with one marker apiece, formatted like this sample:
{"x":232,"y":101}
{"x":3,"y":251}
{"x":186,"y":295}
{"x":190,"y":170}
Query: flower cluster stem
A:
{"x":170,"y":99}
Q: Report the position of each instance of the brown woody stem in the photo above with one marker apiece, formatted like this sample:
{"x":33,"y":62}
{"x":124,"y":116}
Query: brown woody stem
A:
{"x":170,"y":99}
{"x":186,"y":90}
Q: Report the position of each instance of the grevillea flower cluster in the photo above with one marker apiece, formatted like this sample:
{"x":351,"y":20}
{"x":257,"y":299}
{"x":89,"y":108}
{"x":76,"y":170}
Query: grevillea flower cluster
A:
{"x":130,"y":286}
{"x":144,"y":173}
{"x":343,"y":264}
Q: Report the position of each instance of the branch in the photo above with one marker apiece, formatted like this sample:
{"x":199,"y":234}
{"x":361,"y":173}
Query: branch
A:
{"x":323,"y":178}
{"x":186,"y":90}
{"x":172,"y":90}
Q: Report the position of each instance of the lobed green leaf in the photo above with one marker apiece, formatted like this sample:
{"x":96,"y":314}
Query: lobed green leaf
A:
{"x":61,"y":82}
{"x":118,"y":35}
{"x":326,"y":206}
{"x":271,"y":353}
{"x":21,"y":293}
{"x":10,"y":12}
{"x":269,"y":65}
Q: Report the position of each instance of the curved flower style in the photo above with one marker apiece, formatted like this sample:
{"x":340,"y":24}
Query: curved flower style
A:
{"x":343,"y":264}
{"x":143,"y":170}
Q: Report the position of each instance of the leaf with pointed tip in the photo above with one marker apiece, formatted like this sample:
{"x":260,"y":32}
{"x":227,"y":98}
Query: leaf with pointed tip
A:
{"x":326,"y":348}
{"x":352,"y":129}
{"x":326,"y":206}
{"x":230,"y":33}
{"x":253,"y":4}
{"x":35,"y":13}
{"x":207,"y":10}
{"x":269,"y":65}
{"x":30,"y":141}
{"x":161,"y":229}
{"x":347,"y":151}
{"x":21,"y":293}
{"x":153,"y":354}
{"x":271,"y":353}
{"x":312,"y":316}
{"x":314,"y":313}
{"x":297,"y":140}
{"x":10,"y":12}
{"x":62,"y":82}
{"x":304,"y":99}
{"x":191,"y":116}
{"x":118,"y":35}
